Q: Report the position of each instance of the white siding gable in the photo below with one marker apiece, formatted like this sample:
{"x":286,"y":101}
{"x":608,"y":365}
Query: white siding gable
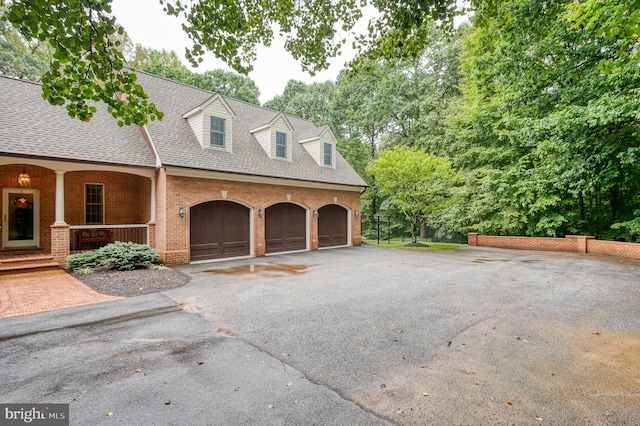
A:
{"x":200,"y":121}
{"x":281,"y":125}
{"x":266,"y":136}
{"x":315,"y":147}
{"x":195,"y":121}
{"x":327,"y":137}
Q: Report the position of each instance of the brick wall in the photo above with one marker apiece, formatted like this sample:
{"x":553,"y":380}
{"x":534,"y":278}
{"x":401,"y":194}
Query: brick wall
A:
{"x":126,"y":197}
{"x":172,"y":233}
{"x":614,"y":248}
{"x":570,"y":243}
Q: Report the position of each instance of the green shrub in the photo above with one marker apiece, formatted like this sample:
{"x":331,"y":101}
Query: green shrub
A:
{"x":126,"y":256}
{"x":118,"y":255}
{"x":89,"y":259}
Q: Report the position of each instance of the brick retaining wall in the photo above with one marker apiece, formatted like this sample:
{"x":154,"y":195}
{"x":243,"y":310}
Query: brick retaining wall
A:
{"x":570,"y":243}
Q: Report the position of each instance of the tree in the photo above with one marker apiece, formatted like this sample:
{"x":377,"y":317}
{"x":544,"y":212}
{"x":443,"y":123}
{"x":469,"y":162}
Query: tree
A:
{"x":18,"y":58}
{"x":88,"y":66}
{"x":548,"y":142}
{"x":416,"y":183}
{"x":228,"y":83}
{"x":167,"y":64}
{"x":280,"y":102}
{"x":309,"y":101}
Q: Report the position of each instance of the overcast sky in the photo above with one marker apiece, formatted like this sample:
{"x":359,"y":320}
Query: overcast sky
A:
{"x":148,"y":25}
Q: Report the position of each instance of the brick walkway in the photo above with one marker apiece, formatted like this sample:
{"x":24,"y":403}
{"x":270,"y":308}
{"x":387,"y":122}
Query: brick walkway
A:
{"x":32,"y":292}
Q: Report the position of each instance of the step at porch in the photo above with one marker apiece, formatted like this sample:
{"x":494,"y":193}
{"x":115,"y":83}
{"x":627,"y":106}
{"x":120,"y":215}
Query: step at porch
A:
{"x":27,"y":263}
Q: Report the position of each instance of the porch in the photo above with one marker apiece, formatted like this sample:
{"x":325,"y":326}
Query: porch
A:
{"x":53,"y":209}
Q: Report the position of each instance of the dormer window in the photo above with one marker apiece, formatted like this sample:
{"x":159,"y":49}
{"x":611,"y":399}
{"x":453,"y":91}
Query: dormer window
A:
{"x":218,"y":130}
{"x":212,"y":124}
{"x":281,"y":145}
{"x":328,"y":154}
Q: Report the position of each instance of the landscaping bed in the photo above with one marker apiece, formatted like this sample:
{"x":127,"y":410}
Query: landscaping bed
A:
{"x":132,"y":283}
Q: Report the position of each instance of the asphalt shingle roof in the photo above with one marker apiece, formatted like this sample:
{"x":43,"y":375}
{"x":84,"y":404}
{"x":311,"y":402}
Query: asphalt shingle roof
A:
{"x":177,"y":145}
{"x":30,"y":126}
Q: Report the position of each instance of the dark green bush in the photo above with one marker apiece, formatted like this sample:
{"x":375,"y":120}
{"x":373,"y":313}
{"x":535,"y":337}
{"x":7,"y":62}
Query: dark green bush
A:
{"x":126,"y":256}
{"x":118,"y":255}
{"x":89,"y":259}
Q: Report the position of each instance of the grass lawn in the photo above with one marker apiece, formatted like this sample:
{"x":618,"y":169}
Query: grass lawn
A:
{"x":399,"y":244}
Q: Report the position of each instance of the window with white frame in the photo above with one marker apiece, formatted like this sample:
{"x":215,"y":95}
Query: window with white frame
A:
{"x":281,"y":145}
{"x":328,"y":154}
{"x":218,"y":126}
{"x":93,"y":204}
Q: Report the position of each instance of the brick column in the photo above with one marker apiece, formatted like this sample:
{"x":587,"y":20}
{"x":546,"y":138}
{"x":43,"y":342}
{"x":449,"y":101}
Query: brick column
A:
{"x":259,"y":248}
{"x":152,"y":235}
{"x":60,"y":243}
{"x":313,"y":231}
{"x":356,"y":229}
{"x":472,"y":238}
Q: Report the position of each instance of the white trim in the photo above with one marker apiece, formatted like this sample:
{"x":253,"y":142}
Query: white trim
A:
{"x":313,"y":139}
{"x":133,"y":225}
{"x":286,"y":121}
{"x":59,"y":199}
{"x":332,"y":247}
{"x":79,"y":166}
{"x":286,"y":252}
{"x":206,"y":103}
{"x":259,"y":129}
{"x":237,"y":177}
{"x":153,"y":146}
{"x":35,"y":242}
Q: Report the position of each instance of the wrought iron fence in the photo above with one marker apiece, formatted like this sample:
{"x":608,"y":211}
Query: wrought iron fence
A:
{"x":387,"y":228}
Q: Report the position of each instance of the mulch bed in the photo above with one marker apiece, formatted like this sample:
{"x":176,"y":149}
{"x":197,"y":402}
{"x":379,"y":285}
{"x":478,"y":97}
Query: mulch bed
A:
{"x":416,"y":245}
{"x":132,"y":283}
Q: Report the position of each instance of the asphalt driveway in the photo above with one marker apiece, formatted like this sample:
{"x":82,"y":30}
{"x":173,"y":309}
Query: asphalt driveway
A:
{"x":356,"y":336}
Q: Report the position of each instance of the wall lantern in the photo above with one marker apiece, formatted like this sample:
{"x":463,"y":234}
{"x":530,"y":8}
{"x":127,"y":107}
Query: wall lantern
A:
{"x":182,"y":212}
{"x":316,"y":214}
{"x":260,"y":213}
{"x":24,"y":178}
{"x":357,"y":214}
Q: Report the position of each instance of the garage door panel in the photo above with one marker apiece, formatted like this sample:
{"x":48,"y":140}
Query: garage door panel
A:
{"x":285,"y":228}
{"x":219,"y":229}
{"x":235,"y":248}
{"x":332,"y":226}
{"x":204,"y":251}
{"x":296,"y":243}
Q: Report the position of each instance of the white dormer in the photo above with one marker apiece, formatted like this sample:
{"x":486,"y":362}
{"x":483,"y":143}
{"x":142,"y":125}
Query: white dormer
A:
{"x":322,"y":148}
{"x":212,"y":123}
{"x":276,"y":138}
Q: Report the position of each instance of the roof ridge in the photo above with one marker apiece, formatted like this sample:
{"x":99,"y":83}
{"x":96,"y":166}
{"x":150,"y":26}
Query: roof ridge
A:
{"x":175,"y":82}
{"x":8,"y":77}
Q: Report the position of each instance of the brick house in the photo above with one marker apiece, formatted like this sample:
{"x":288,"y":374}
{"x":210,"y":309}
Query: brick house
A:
{"x":216,"y":178}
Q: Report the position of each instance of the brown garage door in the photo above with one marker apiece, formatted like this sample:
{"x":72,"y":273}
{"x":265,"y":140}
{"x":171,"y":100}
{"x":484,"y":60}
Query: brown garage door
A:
{"x":285,"y":228}
{"x":332,"y":226}
{"x":219,"y":229}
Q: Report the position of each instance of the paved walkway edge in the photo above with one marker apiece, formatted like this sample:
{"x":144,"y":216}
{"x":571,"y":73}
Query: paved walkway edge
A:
{"x":113,"y":311}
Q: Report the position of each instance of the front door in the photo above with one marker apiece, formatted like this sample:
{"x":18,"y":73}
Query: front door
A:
{"x":20,"y":218}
